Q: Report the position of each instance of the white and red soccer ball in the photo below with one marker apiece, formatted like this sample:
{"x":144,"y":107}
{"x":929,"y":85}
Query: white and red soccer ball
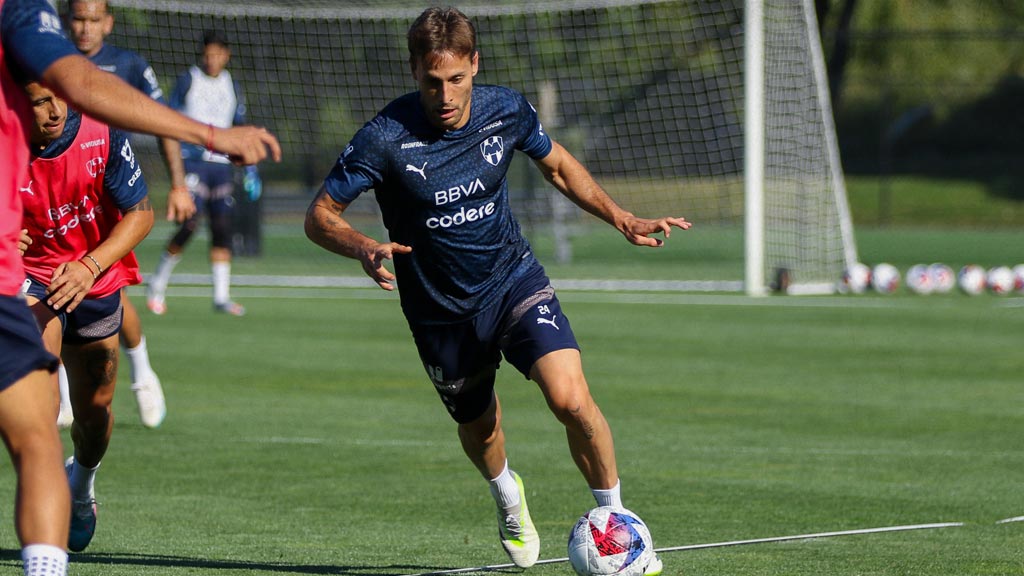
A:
{"x":855,"y":280}
{"x":920,"y":280}
{"x":1000,"y":280}
{"x":972,"y":279}
{"x":610,"y":541}
{"x":885,"y":278}
{"x":943,"y":278}
{"x":1018,"y":277}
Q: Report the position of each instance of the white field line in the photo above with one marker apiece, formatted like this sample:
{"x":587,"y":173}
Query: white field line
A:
{"x":1009,"y":520}
{"x":933,"y":526}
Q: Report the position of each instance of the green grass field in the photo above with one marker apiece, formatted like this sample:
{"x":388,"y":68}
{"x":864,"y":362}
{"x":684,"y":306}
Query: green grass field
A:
{"x":305,"y":438}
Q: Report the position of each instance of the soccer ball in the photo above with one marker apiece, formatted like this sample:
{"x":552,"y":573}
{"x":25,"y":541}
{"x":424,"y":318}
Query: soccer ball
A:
{"x":885,"y":278}
{"x":1018,"y":277}
{"x":1000,"y":280}
{"x":608,"y":541}
{"x":855,"y":279}
{"x":919,"y":279}
{"x":943,"y":278}
{"x":971,"y":279}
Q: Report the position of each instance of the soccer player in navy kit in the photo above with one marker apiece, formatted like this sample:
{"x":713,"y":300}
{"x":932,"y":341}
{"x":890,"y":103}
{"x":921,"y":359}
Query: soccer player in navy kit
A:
{"x":89,"y":23}
{"x":208,"y":93}
{"x":471,"y":289}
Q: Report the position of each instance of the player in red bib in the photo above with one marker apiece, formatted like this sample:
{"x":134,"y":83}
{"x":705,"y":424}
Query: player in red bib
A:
{"x":85,"y":209}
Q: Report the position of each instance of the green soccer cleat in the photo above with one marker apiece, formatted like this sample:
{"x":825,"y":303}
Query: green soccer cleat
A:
{"x":518,"y":535}
{"x":654,"y":567}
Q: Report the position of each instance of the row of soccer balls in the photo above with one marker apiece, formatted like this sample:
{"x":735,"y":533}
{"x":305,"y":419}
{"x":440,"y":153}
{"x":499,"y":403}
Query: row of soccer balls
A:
{"x":935,"y":278}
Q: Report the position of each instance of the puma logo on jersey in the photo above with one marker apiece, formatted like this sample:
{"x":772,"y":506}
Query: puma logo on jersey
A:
{"x":546,"y":321}
{"x":28,"y":189}
{"x":420,"y":171}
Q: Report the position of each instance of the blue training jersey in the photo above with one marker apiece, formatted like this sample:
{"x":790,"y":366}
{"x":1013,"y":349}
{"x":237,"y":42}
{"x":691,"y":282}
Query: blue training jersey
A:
{"x":130,"y":67}
{"x":445,"y":194}
{"x":122,"y":177}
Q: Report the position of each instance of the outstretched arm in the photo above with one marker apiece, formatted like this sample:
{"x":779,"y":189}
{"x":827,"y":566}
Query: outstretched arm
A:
{"x":111,"y":100}
{"x":573,"y":180}
{"x":327,"y":228}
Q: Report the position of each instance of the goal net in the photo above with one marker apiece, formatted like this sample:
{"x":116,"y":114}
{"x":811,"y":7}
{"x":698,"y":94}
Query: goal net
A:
{"x":649,"y":94}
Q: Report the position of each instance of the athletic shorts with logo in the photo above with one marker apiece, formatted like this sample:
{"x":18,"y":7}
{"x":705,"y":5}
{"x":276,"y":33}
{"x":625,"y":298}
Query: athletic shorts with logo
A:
{"x":92,"y":320}
{"x":461,"y":359}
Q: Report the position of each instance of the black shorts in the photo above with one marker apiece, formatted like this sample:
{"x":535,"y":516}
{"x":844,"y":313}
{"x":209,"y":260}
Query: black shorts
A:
{"x":21,"y":344}
{"x":93,"y":319}
{"x":461,"y":359}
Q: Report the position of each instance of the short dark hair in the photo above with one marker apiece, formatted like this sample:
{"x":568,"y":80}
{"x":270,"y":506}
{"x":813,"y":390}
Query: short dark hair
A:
{"x":215,"y":37}
{"x":441,"y":30}
{"x":71,"y":6}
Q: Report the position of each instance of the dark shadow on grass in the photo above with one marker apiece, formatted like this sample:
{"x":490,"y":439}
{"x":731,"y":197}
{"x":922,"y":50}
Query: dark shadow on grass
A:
{"x":154,"y":560}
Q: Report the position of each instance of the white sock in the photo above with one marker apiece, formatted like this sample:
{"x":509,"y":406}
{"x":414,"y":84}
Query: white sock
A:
{"x":609,"y":497}
{"x":65,"y":393}
{"x":44,"y":560}
{"x":221,"y":282}
{"x":82,"y":481}
{"x":504,"y":489}
{"x":139,"y":361}
{"x":162,"y":276}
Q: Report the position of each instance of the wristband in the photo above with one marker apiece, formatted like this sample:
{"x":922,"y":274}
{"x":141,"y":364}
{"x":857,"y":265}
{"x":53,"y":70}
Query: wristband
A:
{"x":209,"y":137}
{"x":81,"y":261}
{"x":181,"y":188}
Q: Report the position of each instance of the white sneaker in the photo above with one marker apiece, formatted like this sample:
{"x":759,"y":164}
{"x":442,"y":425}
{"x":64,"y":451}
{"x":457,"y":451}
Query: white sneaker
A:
{"x":150,"y":398}
{"x":65,"y":418}
{"x":654,"y":567}
{"x":518,"y":535}
{"x":155,"y":301}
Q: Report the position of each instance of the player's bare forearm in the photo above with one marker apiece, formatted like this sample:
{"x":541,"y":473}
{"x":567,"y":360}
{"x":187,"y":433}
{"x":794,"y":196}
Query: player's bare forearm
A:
{"x":326,"y":227}
{"x":106,"y":97}
{"x":575,"y":182}
{"x":170,"y":149}
{"x":135,"y":224}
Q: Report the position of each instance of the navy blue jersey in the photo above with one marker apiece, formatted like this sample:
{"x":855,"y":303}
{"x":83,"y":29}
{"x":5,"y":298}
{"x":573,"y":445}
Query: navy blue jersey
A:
{"x":32,"y":37}
{"x":130,"y":67}
{"x":445,"y":194}
{"x":122,"y":178}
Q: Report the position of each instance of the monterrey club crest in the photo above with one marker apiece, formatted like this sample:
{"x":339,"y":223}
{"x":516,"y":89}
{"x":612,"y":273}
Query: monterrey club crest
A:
{"x":492,"y":149}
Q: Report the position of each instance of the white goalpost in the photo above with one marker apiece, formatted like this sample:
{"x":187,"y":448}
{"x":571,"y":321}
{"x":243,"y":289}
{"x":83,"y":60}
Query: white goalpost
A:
{"x":714,"y":110}
{"x":798,"y":230}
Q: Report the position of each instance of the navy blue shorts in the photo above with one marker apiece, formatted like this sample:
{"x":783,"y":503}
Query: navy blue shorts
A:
{"x":461,"y":359}
{"x":212,"y":185}
{"x":93,"y":319}
{"x":21,"y":344}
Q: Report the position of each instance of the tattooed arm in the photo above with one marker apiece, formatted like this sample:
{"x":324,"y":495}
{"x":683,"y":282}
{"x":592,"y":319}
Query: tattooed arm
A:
{"x":326,"y":226}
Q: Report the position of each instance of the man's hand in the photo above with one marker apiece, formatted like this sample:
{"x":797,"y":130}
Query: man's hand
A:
{"x":373,"y":262}
{"x":69,"y":285}
{"x":180,"y":204}
{"x":24,"y":241}
{"x":638,"y":230}
{"x":246,"y":145}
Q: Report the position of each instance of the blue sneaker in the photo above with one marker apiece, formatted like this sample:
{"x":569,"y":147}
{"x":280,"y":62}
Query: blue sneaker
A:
{"x":83,"y":517}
